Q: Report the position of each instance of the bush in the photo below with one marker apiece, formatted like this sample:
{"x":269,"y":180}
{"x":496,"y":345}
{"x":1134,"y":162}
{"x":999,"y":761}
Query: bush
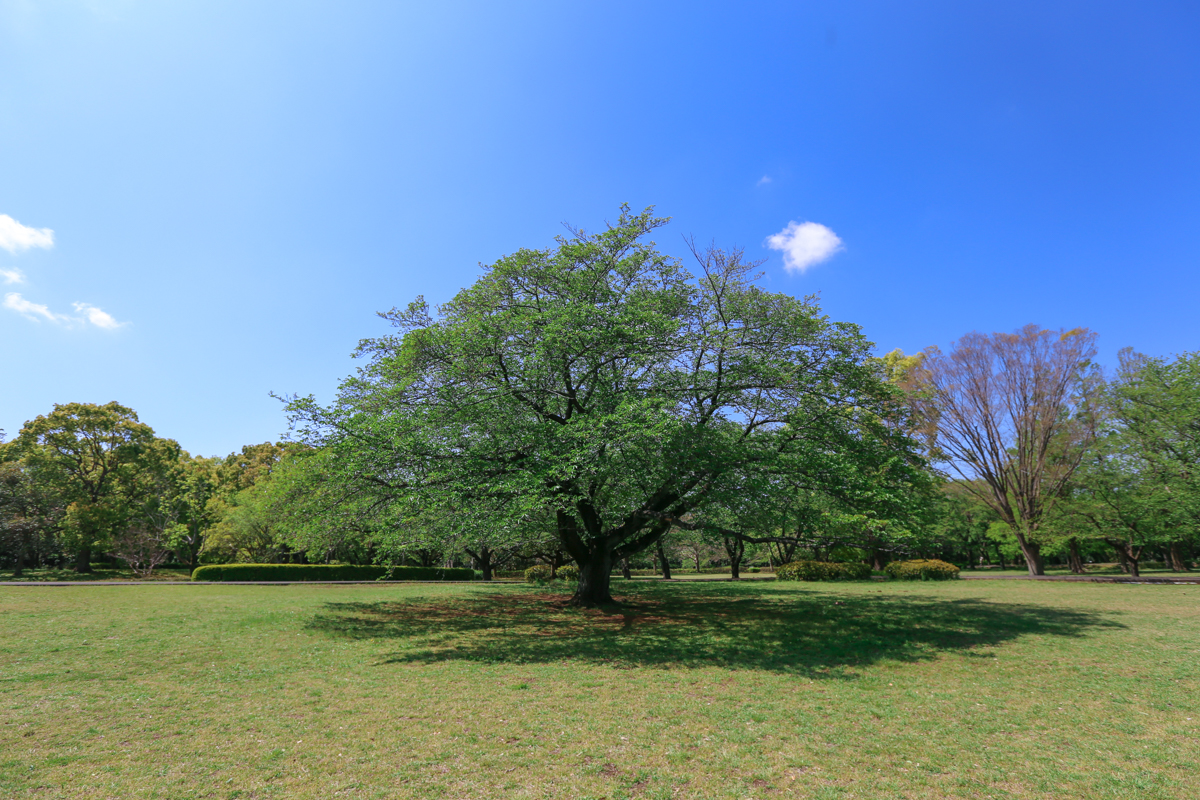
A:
{"x":538,"y":573}
{"x":822,"y":571}
{"x":921,"y":570}
{"x":326,"y":572}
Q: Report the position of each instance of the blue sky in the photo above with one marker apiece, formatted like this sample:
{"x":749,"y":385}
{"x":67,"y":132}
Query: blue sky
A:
{"x":208,"y":201}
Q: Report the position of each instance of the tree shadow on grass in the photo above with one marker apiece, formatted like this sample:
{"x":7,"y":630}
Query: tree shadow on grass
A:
{"x":817,"y":633}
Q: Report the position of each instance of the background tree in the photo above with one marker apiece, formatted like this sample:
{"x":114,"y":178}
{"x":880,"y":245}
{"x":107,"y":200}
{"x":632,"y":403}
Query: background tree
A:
{"x":198,"y":487}
{"x":82,"y":452}
{"x":1155,"y":403}
{"x":1012,"y":412}
{"x":248,"y":530}
{"x":29,"y":514}
{"x":960,"y":522}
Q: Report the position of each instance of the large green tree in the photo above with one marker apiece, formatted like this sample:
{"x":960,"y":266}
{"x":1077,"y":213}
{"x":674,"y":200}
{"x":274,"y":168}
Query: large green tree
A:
{"x":602,"y":385}
{"x":87,"y":455}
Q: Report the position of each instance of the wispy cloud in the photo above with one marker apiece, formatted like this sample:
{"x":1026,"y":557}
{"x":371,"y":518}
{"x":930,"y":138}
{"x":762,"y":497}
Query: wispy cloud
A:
{"x":804,"y":244}
{"x":34,"y":311}
{"x":88,"y":313}
{"x":764,"y":180}
{"x":16,"y":238}
{"x":101,"y":319}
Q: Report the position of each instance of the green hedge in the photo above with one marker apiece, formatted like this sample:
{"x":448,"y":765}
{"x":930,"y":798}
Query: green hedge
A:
{"x":822,"y":571}
{"x":326,"y":572}
{"x":569,"y":573}
{"x":922,"y":570}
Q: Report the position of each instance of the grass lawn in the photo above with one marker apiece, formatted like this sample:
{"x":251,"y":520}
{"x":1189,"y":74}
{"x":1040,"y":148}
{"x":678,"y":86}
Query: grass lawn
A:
{"x":708,"y":690}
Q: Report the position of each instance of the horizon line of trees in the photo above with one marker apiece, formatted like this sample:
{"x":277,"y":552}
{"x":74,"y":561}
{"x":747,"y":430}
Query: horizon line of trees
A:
{"x":90,"y":483}
{"x":598,"y":403}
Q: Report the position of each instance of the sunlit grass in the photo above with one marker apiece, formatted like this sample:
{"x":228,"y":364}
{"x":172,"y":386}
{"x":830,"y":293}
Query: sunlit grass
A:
{"x":991,"y":689}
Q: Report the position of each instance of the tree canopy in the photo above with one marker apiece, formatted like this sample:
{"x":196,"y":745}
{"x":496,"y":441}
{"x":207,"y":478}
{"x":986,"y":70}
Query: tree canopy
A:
{"x":601,"y":385}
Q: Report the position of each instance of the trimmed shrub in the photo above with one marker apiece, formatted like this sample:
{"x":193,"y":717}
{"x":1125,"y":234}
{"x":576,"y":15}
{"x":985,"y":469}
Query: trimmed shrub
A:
{"x":921,"y":570}
{"x":569,"y":573}
{"x":538,"y":573}
{"x":822,"y":571}
{"x":327,"y":572}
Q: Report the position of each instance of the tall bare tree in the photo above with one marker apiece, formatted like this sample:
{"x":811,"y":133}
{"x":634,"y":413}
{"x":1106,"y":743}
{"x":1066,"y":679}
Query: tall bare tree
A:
{"x":1012,"y":413}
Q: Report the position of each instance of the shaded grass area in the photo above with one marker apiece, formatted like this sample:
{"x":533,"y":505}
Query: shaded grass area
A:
{"x":796,"y":631}
{"x":704,"y":690}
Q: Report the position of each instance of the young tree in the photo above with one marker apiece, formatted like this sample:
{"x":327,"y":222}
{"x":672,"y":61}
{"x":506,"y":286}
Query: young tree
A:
{"x":141,"y":548}
{"x":1012,"y":412}
{"x":601,"y":383}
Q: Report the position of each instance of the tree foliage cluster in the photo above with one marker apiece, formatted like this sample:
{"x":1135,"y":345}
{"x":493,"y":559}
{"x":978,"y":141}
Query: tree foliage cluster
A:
{"x":87,"y":483}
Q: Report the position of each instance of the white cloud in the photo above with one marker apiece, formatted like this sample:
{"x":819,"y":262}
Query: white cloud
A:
{"x":34,"y":311}
{"x":12,"y":275}
{"x":804,"y":244}
{"x":38,"y":312}
{"x":101,"y":319}
{"x":765,"y":179}
{"x":15,"y":237}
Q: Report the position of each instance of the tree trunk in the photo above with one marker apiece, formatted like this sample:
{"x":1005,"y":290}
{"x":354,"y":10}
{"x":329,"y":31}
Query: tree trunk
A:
{"x":483,"y":560}
{"x":735,"y":549}
{"x":625,"y":573}
{"x":1178,"y":564}
{"x":1074,"y":559}
{"x":83,"y":560}
{"x":666,"y":565}
{"x":19,"y":567}
{"x":1033,"y":554}
{"x":1128,"y":556}
{"x":194,"y":544}
{"x":594,"y":577}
